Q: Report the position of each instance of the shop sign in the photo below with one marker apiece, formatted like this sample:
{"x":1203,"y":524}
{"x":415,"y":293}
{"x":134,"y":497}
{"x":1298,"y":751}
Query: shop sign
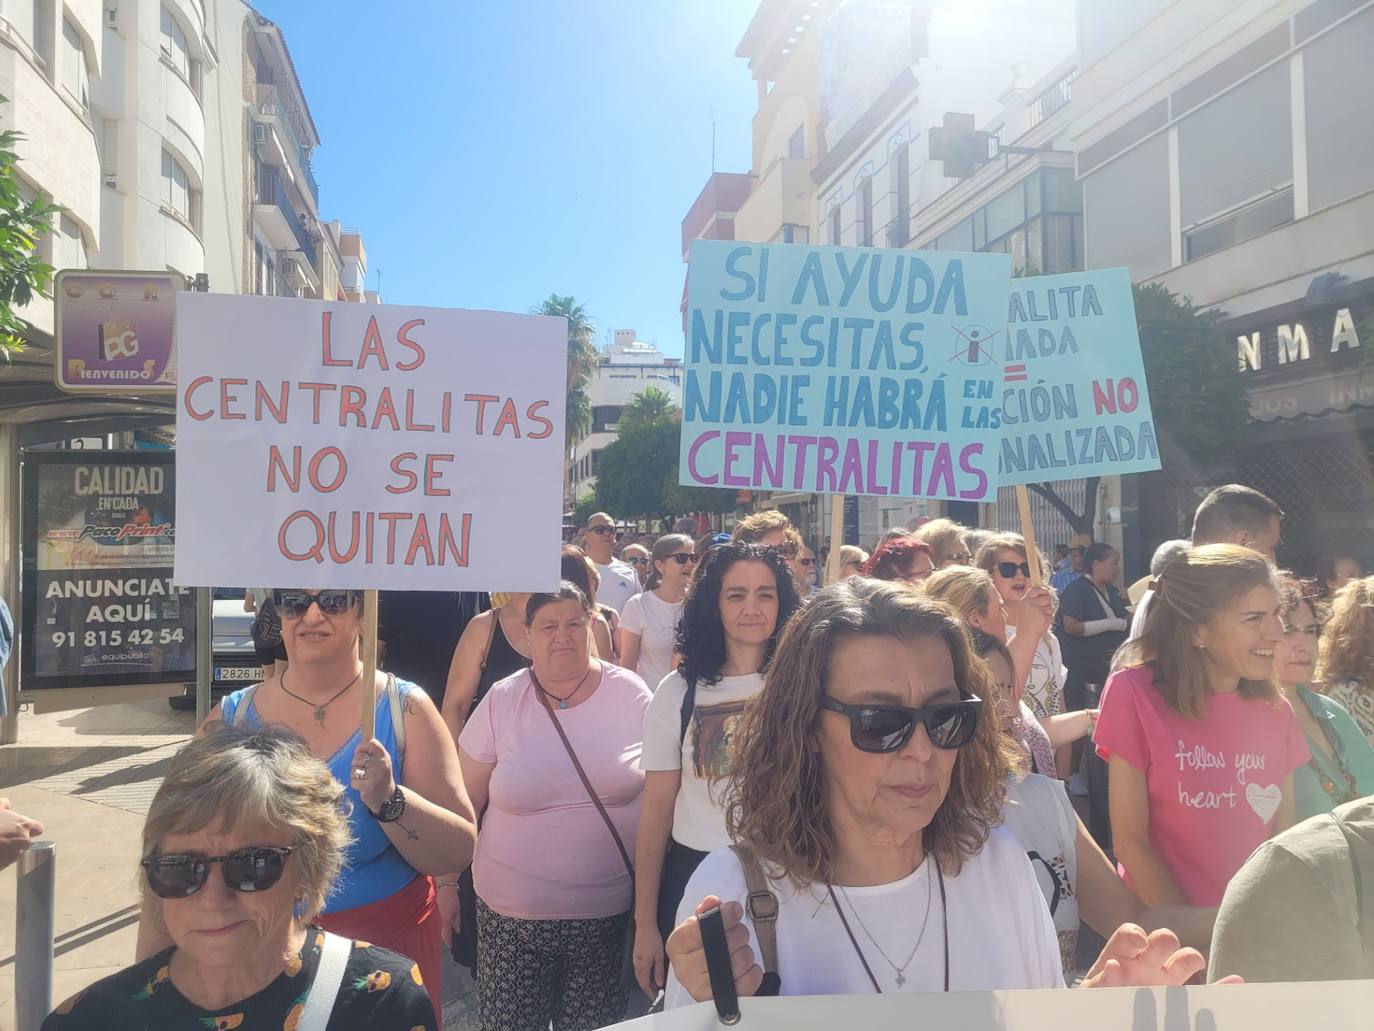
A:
{"x":115,"y":332}
{"x":1325,"y":333}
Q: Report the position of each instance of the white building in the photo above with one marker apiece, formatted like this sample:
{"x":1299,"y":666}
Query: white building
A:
{"x":624,"y":370}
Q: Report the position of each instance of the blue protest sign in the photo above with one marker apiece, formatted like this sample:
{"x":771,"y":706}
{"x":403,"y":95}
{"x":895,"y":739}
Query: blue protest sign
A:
{"x":1074,"y":398}
{"x":843,"y":370}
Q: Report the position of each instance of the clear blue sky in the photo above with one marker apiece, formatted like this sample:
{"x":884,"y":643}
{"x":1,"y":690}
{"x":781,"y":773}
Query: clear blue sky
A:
{"x":494,"y":153}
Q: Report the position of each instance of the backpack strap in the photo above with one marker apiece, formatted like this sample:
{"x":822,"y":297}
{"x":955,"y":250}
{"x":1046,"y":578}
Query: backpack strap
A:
{"x":329,"y":975}
{"x":1354,"y":869}
{"x":762,"y":906}
{"x":245,"y":701}
{"x":689,"y":704}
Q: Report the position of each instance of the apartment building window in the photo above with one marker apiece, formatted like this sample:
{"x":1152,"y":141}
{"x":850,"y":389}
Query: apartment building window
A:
{"x":75,"y":77}
{"x":901,"y":192}
{"x":22,"y":15}
{"x":1339,"y":95}
{"x":1235,"y":164}
{"x":795,"y":234}
{"x":177,"y":51}
{"x":866,"y":212}
{"x":68,"y":244}
{"x":796,"y":144}
{"x":178,"y":194}
{"x":835,"y":227}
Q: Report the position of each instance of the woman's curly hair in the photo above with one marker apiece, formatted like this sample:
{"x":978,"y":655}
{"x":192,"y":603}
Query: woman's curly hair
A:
{"x":700,"y":637}
{"x":776,"y":801}
{"x":1347,"y":650}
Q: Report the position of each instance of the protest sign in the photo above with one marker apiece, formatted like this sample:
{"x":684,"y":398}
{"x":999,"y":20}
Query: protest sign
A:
{"x":100,"y":608}
{"x":843,"y":370}
{"x":1331,"y":1006}
{"x":362,"y":446}
{"x":1074,"y":398}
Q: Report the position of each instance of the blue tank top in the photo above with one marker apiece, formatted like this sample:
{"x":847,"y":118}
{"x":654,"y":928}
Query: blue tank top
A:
{"x":373,"y":869}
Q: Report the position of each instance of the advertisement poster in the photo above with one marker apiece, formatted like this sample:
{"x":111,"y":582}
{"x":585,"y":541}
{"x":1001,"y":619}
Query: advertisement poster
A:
{"x":843,"y":370}
{"x":100,"y":606}
{"x":115,"y":331}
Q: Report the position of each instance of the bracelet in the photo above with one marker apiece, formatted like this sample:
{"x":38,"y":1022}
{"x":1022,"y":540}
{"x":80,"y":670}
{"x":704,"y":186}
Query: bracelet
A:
{"x":445,"y":884}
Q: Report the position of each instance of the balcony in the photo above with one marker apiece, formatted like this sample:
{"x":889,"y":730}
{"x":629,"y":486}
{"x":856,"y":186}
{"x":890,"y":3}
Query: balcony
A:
{"x":279,"y":222}
{"x":712,"y":215}
{"x":273,"y":110}
{"x":784,"y":196}
{"x":298,"y":273}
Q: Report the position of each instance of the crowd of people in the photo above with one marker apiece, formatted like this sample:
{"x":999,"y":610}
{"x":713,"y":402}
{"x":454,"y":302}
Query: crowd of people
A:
{"x":869,"y":786}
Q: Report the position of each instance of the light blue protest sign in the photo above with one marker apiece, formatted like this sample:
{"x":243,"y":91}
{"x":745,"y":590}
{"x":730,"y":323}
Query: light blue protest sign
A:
{"x":1074,"y":398}
{"x":843,"y":370}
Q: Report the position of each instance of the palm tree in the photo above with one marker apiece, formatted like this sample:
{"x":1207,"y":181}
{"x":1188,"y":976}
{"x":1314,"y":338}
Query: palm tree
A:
{"x":581,"y":364}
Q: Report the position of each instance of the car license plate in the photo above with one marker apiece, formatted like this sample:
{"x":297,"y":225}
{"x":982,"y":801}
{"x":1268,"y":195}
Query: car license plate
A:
{"x":238,"y":673}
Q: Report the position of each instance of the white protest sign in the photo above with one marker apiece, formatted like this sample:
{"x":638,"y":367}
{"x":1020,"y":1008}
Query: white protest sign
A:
{"x":1330,"y":1006}
{"x":367,"y":446}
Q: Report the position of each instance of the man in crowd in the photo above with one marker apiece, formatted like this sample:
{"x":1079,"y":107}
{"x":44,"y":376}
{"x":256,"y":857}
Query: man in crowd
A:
{"x":637,"y":555}
{"x":619,"y":581}
{"x":1232,"y":514}
{"x":1071,"y":570}
{"x":772,"y":529}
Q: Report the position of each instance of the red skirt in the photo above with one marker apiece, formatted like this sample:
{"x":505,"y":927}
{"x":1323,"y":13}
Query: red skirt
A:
{"x":406,"y":922}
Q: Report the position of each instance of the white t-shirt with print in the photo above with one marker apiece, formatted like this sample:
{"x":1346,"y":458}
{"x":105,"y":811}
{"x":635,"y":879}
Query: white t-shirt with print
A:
{"x":655,"y":621}
{"x":1000,"y":934}
{"x":698,"y":817}
{"x":619,"y":583}
{"x":1039,"y":813}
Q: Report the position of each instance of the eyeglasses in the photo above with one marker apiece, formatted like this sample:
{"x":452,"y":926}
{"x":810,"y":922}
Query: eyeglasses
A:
{"x":180,"y":875}
{"x":887,"y":728}
{"x":601,"y":531}
{"x":960,"y":558}
{"x":636,"y":560}
{"x":1312,"y":630}
{"x":806,"y":561}
{"x":1007,"y":570}
{"x":295,"y":604}
{"x":683,"y":558}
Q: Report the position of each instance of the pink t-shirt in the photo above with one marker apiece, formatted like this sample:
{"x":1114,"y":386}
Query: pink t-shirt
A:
{"x":544,"y":853}
{"x":1214,"y":783}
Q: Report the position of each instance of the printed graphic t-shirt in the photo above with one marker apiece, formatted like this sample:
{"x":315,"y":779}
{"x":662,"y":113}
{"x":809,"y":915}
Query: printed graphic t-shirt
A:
{"x":698,"y":818}
{"x":1214,"y":783}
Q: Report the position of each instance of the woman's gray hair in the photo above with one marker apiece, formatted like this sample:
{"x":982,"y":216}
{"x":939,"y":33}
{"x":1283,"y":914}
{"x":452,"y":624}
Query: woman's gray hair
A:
{"x":235,"y":779}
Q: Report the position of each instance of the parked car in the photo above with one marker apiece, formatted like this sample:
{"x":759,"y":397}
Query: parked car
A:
{"x":235,"y":661}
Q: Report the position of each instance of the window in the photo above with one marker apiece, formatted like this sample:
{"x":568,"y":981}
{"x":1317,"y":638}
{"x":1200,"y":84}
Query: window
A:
{"x":1238,"y":226}
{"x":69,"y":245}
{"x":795,"y":234}
{"x":901,"y":190}
{"x":835,"y":227}
{"x":866,"y":212}
{"x":21,"y":14}
{"x":957,"y":238}
{"x":174,"y":46}
{"x":75,"y":79}
{"x":796,"y":146}
{"x":178,"y":195}
{"x":1339,"y":96}
{"x":1137,"y":234}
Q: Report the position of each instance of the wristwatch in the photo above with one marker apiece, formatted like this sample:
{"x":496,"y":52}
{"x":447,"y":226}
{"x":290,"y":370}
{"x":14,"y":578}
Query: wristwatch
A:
{"x":392,"y":808}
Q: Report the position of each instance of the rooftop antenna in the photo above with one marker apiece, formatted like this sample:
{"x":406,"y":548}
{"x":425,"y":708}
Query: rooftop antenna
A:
{"x":379,"y":282}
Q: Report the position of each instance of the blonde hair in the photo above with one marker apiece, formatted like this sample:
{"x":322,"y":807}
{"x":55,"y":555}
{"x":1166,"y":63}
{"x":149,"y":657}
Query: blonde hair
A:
{"x":852,"y":553}
{"x":1192,"y":592}
{"x":776,"y":800}
{"x":1347,"y":649}
{"x":944,"y":537}
{"x":238,"y":779}
{"x":751,"y":529}
{"x":970,"y":591}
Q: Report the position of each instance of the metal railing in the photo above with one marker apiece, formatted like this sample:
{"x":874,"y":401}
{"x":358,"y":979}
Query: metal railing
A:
{"x":34,"y":910}
{"x":1052,"y":99}
{"x":271,"y":191}
{"x":270,"y":103}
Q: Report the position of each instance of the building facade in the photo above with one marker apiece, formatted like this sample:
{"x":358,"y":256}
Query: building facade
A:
{"x":624,"y":370}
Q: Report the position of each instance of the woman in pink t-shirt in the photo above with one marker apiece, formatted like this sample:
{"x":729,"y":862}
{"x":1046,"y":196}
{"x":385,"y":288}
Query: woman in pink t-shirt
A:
{"x":552,"y":866}
{"x":1201,"y":744}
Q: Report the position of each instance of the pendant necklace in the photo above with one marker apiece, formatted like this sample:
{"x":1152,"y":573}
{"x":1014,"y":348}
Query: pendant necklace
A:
{"x":563,"y":701}
{"x":319,"y":713}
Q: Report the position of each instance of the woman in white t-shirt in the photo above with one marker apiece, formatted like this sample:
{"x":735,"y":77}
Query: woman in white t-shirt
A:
{"x":864,"y":805}
{"x":743,"y":596}
{"x":648,"y":623}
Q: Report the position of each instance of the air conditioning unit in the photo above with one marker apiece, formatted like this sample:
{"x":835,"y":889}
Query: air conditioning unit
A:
{"x":112,"y":17}
{"x":111,"y":180}
{"x":291,"y":270}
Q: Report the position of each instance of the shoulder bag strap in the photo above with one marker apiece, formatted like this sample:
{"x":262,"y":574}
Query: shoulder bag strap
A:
{"x":240,"y":717}
{"x":1354,"y":869}
{"x":582,"y":775}
{"x":762,"y":906}
{"x":491,"y":637}
{"x":329,"y":975}
{"x":398,"y":721}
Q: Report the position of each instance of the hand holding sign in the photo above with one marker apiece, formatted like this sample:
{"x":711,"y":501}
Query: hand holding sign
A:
{"x":687,"y":954}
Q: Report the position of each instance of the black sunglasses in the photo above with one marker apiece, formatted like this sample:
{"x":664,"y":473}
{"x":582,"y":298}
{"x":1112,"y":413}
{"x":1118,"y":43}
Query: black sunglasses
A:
{"x":601,"y":531}
{"x":635,"y":560}
{"x":1007,"y":570}
{"x":806,"y":561}
{"x":179,"y":876}
{"x":682,"y":558}
{"x":887,"y":728}
{"x":295,"y":604}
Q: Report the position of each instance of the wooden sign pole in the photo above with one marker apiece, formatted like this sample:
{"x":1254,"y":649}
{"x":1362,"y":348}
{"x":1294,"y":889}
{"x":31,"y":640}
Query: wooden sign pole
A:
{"x":369,"y":645}
{"x":832,"y":566}
{"x":1037,"y":575}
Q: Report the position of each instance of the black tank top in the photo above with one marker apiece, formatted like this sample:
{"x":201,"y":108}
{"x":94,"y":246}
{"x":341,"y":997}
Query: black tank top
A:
{"x":501,"y":661}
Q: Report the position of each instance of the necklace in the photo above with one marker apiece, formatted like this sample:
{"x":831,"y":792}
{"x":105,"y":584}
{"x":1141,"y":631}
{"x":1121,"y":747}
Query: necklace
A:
{"x":562,"y":701}
{"x":321,"y":707}
{"x":900,"y":971}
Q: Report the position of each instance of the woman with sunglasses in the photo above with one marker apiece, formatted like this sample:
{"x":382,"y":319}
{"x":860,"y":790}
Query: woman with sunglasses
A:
{"x":729,"y":627}
{"x":947,"y":543}
{"x":410,"y":817}
{"x":867,"y":791}
{"x":648,"y":623}
{"x":241,"y":845}
{"x":552,"y":753}
{"x":1342,"y":765}
{"x":852,"y":559}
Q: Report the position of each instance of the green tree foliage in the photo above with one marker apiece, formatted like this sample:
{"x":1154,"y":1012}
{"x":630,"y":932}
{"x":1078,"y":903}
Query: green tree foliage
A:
{"x":581,"y":359}
{"x":583,"y":510}
{"x":1201,"y":409}
{"x":638,"y":471}
{"x":22,"y":223}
